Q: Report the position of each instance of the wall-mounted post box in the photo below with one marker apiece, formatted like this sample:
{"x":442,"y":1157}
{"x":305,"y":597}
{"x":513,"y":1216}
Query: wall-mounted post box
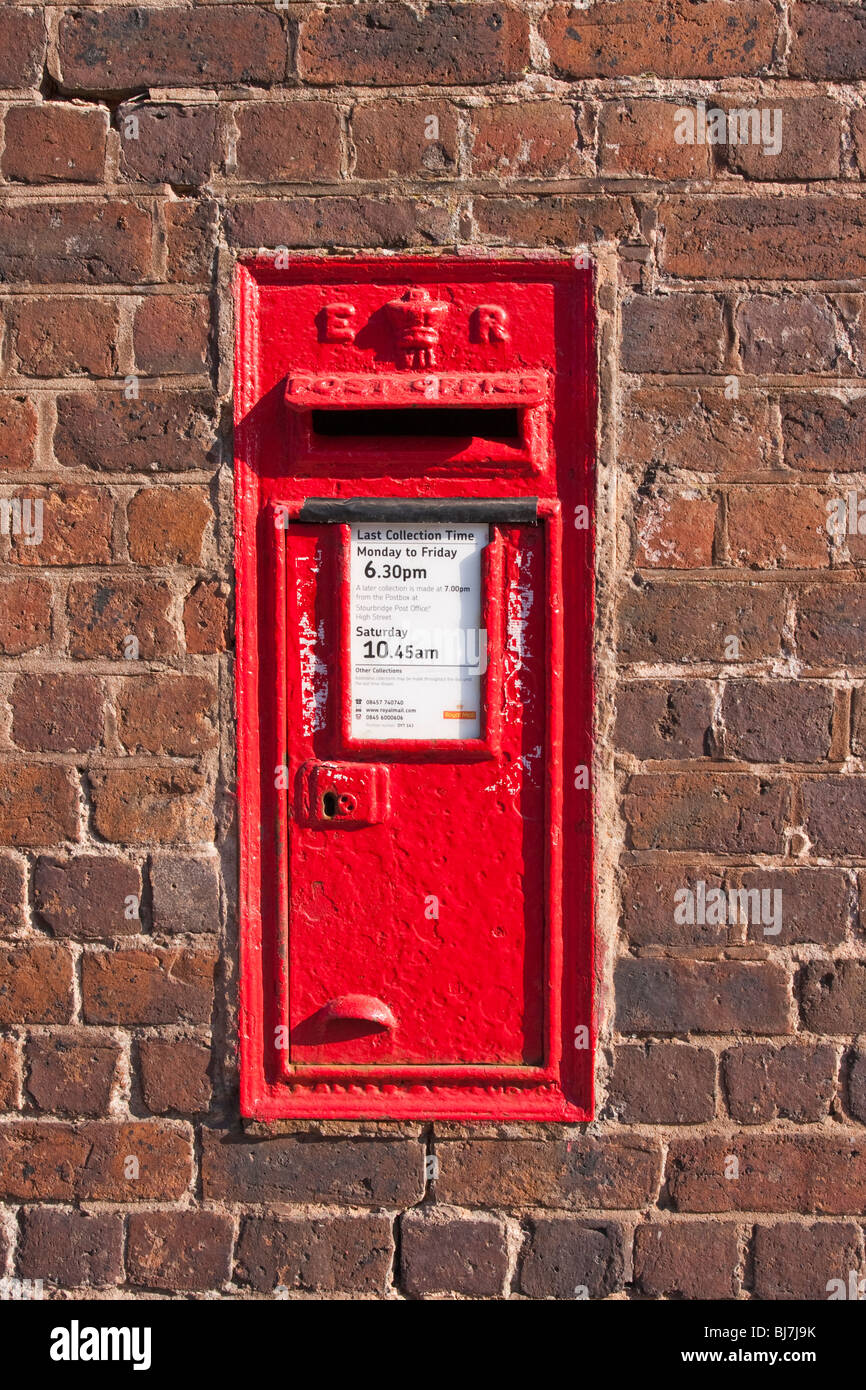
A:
{"x":414,"y":449}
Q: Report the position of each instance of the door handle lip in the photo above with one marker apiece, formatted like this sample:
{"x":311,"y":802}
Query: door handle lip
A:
{"x":360,"y":1006}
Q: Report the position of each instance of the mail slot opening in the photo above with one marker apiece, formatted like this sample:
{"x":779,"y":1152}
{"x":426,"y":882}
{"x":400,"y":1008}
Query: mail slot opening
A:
{"x":445,"y":423}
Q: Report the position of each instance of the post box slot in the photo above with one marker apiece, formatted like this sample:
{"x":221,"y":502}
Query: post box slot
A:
{"x":459,"y":424}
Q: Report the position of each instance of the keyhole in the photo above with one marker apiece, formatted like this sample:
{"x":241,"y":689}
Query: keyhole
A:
{"x":329,"y":805}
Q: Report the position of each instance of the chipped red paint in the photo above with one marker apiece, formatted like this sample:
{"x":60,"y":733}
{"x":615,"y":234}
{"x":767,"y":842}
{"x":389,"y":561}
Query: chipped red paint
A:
{"x":355,"y":1002}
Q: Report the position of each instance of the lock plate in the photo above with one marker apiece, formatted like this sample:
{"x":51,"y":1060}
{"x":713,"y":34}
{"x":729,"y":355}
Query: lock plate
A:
{"x":342,"y":796}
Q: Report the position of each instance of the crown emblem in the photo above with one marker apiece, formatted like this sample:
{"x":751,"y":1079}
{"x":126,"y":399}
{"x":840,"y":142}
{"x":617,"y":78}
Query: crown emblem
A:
{"x":416,"y":320}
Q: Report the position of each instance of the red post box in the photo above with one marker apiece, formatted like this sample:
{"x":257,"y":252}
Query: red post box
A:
{"x":414,"y":493}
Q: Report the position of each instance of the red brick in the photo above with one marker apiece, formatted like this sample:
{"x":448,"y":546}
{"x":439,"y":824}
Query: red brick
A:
{"x":103,"y":613}
{"x":778,"y":721}
{"x":663,"y":719}
{"x":167,"y":714}
{"x":164,"y":142}
{"x":71,"y":1248}
{"x":167,"y":525}
{"x":54,"y":143}
{"x":36,"y":984}
{"x":125,"y":47}
{"x":526,"y":139}
{"x":795,"y":1261}
{"x":38,"y":804}
{"x":785,"y":1172}
{"x":699,"y":430}
{"x":182,"y":1250}
{"x":811,"y":139}
{"x":148,"y":987}
{"x":835,"y":814}
{"x":788,"y":333}
{"x":191,"y":230}
{"x":674,"y":38}
{"x":25,"y":615}
{"x":649,"y":901}
{"x":564,"y":1258}
{"x":353,"y":222}
{"x":637,"y":138}
{"x":288,"y":142}
{"x":363,"y":1172}
{"x":814,"y":903}
{"x":674,"y":530}
{"x":205,"y":618}
{"x":22,"y":47}
{"x":393,"y":138}
{"x":828,"y":42}
{"x":831,"y":623}
{"x":554,"y":220}
{"x":663,"y":1083}
{"x":683,"y":996}
{"x":446,"y":1252}
{"x":17,"y":433}
{"x":164,"y":805}
{"x":794,"y":1082}
{"x":726,"y":813}
{"x":57,"y":714}
{"x":770,"y":238}
{"x":672,"y":333}
{"x":857,"y":1087}
{"x":687,"y":1259}
{"x":76,"y":528}
{"x":692,"y":622}
{"x":13,"y":894}
{"x":174,"y":1075}
{"x":10,"y":1075}
{"x":390,"y":44}
{"x":331,"y":1254}
{"x":185,"y":894}
{"x":71,"y":336}
{"x":101,"y":1161}
{"x":80,"y":243}
{"x":823,"y":434}
{"x":833,"y":996}
{"x":171,"y":334}
{"x":858,"y":135}
{"x":168,"y":431}
{"x":72,"y":1073}
{"x":88,"y":897}
{"x":604,"y":1172}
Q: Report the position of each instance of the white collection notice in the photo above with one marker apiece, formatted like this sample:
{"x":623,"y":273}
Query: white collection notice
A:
{"x":417,"y":649}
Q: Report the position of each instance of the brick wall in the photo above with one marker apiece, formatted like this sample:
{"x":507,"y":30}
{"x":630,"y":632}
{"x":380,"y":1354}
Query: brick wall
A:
{"x":143,"y":150}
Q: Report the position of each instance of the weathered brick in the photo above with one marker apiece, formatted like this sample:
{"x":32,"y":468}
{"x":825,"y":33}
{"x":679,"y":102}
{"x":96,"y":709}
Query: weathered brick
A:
{"x":36,"y":984}
{"x":776,"y":1172}
{"x":663,"y":1083}
{"x":22,"y":47}
{"x":446,"y":1252}
{"x":86,"y":243}
{"x":564,"y":1258}
{"x":185,"y":893}
{"x":363,"y":1172}
{"x":167,"y":431}
{"x":787,"y":333}
{"x":833,"y":996}
{"x":796,"y":1261}
{"x":165,"y":142}
{"x":167,"y":714}
{"x":61,"y":714}
{"x":353,"y":222}
{"x":395,"y":137}
{"x":649,"y":903}
{"x":25,"y":615}
{"x":71,"y":336}
{"x":725,"y":813}
{"x":71,"y":1073}
{"x":554,"y":220}
{"x":288,"y":142}
{"x":676,"y":38}
{"x":684,"y":996}
{"x":148,"y":987}
{"x":18,"y":429}
{"x":674,"y":530}
{"x":777,"y":721}
{"x":692,"y":622}
{"x":167,"y":525}
{"x":766,"y":237}
{"x":71,"y":1248}
{"x":687,"y":1259}
{"x":610,"y":1173}
{"x":637,"y":138}
{"x":101,"y":1161}
{"x":171,"y":334}
{"x":205,"y":618}
{"x":385,"y":44}
{"x":183,"y":1250}
{"x":166,"y":805}
{"x":663,"y":719}
{"x":54,"y":143}
{"x":831,"y":624}
{"x":526,"y":139}
{"x":105,"y":613}
{"x":672,"y":333}
{"x":699,"y":430}
{"x":10,"y":1075}
{"x":330,"y":1254}
{"x":38,"y":804}
{"x":814,"y":904}
{"x":835,"y":814}
{"x":174,"y":1075}
{"x":809,"y":133}
{"x":823,"y":434}
{"x":190,"y":229}
{"x":13,"y":894}
{"x":73,"y":526}
{"x":126,"y":47}
{"x":857,"y":1087}
{"x":828,"y":42}
{"x":92,"y":896}
{"x":794,"y":1082}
